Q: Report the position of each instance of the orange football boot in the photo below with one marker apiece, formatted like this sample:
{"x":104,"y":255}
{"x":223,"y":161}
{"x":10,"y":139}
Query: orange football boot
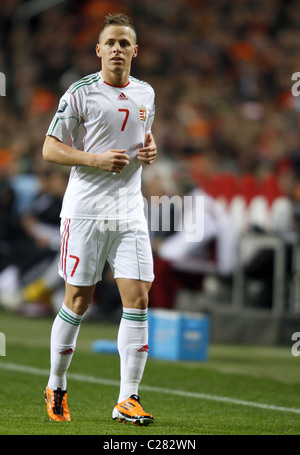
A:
{"x":130,"y":410}
{"x":57,"y":407}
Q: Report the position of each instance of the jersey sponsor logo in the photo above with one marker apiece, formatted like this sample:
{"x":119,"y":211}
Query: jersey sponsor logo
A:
{"x":144,"y":348}
{"x":142,"y":113}
{"x":122,"y":97}
{"x":62,"y":107}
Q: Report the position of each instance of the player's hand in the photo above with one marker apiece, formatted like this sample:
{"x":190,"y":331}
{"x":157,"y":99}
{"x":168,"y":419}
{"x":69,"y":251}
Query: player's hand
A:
{"x":148,"y":153}
{"x":113,"y":160}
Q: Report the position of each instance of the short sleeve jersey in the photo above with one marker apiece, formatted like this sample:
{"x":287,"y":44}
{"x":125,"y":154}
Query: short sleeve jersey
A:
{"x":97,"y":117}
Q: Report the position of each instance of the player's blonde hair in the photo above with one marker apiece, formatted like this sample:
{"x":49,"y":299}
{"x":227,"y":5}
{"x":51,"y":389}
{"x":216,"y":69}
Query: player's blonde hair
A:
{"x":117,"y":19}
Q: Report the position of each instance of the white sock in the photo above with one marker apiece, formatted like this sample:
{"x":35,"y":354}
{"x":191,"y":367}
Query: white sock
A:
{"x":64,"y":334}
{"x":133,"y":350}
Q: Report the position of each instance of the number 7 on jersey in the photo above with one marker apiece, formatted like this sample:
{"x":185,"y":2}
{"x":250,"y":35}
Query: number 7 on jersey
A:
{"x":125,"y":119}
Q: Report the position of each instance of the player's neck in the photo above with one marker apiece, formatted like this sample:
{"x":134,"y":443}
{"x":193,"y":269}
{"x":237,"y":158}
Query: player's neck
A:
{"x":119,"y":80}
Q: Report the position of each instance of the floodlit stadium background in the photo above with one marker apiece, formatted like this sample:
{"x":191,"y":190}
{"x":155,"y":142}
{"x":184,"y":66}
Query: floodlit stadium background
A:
{"x":226,"y":123}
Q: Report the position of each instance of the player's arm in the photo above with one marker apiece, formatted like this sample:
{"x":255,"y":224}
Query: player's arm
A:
{"x":55,"y":151}
{"x":148,"y":153}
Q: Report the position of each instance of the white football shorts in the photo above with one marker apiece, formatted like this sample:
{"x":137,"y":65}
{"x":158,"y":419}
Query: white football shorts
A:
{"x":87,"y":244}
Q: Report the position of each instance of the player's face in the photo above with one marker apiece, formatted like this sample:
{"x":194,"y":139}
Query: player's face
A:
{"x":116,"y":49}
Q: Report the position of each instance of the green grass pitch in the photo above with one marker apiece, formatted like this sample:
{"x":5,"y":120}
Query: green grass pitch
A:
{"x":239,"y":390}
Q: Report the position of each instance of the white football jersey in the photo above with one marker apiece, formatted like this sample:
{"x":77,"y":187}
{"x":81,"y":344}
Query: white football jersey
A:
{"x":98,"y":117}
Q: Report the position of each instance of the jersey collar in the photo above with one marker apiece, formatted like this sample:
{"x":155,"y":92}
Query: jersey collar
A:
{"x":119,"y":86}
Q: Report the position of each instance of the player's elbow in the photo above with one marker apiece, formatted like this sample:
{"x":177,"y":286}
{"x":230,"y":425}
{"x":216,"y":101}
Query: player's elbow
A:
{"x":48,"y":149}
{"x":45,"y":153}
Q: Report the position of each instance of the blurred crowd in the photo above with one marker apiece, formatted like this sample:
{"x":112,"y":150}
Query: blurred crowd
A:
{"x":222,"y":72}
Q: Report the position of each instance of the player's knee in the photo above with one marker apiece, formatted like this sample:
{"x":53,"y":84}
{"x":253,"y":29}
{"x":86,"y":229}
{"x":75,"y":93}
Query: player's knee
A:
{"x":78,"y":298}
{"x":141,"y":301}
{"x":78,"y":305}
{"x":138,"y":301}
{"x":134,"y":294}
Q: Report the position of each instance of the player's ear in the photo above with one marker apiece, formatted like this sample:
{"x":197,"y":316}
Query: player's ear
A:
{"x":98,"y":50}
{"x":135,"y":52}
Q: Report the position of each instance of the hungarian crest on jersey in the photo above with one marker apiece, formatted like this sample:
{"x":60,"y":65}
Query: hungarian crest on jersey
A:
{"x":142,"y":113}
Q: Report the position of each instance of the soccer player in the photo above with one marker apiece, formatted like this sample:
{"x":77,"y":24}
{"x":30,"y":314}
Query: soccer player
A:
{"x":108,"y":116}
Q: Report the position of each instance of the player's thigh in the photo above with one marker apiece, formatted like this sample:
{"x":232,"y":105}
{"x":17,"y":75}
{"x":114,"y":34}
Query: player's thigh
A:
{"x":134,"y":293}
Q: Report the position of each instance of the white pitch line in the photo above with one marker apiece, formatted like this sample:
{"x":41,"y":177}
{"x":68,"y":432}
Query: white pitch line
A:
{"x":95,"y":380}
